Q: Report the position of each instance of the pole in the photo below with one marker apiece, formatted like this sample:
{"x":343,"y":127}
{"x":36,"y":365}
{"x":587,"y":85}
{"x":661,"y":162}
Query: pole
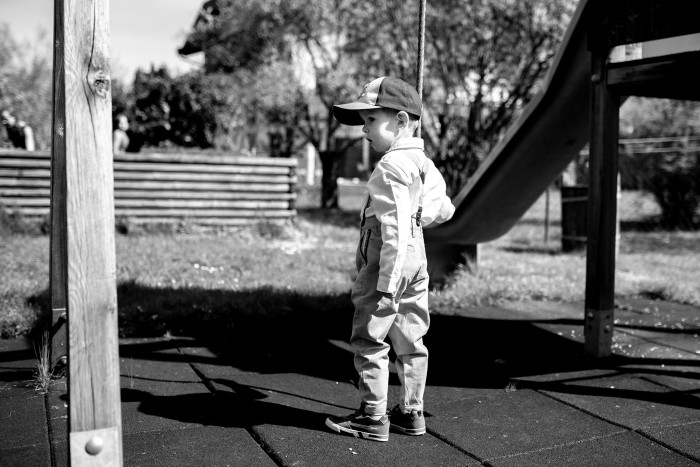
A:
{"x":86,"y":227}
{"x":602,"y":211}
{"x":421,"y":54}
{"x":58,"y":262}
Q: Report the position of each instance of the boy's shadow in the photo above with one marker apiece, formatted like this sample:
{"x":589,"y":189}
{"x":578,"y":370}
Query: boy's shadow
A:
{"x":225,"y":409}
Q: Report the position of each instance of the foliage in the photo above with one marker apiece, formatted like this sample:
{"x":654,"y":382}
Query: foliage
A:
{"x":484,"y":62}
{"x":670,"y":169}
{"x":241,"y":112}
{"x":26,"y":82}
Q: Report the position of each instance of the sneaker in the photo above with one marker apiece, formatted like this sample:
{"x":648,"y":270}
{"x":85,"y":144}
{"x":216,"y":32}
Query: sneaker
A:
{"x":412,"y":423}
{"x":361,"y":425}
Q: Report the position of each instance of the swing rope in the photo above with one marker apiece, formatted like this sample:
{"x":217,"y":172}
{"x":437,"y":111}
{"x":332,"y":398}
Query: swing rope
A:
{"x":421,"y":54}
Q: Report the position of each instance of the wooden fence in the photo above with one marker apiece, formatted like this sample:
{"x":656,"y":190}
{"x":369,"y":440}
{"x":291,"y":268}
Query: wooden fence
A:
{"x":165,"y":188}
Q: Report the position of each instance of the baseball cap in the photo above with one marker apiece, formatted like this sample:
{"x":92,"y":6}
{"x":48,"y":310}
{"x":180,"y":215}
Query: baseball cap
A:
{"x":385,"y":92}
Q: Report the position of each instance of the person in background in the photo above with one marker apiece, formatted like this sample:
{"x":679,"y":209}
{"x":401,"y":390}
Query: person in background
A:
{"x":18,"y":132}
{"x":120,"y":140}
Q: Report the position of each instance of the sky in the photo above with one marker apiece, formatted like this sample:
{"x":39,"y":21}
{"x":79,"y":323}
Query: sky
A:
{"x":142,"y":32}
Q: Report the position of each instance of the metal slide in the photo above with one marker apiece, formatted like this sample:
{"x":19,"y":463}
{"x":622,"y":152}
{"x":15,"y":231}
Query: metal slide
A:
{"x":535,"y":150}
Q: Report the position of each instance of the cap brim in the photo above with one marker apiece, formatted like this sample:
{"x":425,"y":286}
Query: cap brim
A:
{"x":348,"y":114}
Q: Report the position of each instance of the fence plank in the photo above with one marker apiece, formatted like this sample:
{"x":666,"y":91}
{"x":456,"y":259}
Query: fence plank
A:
{"x":208,"y":194}
{"x":120,"y":185}
{"x":126,"y":168}
{"x":176,"y":212}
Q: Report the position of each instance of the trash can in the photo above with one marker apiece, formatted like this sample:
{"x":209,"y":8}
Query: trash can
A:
{"x":574,"y":217}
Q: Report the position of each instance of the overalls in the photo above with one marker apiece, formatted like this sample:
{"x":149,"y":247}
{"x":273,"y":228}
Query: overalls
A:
{"x":404,"y":319}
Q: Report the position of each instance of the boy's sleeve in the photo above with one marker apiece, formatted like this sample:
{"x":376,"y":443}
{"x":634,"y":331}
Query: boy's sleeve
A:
{"x":389,"y":188}
{"x":437,"y":206}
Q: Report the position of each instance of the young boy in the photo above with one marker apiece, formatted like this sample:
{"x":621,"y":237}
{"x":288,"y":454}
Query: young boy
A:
{"x":404,"y":194}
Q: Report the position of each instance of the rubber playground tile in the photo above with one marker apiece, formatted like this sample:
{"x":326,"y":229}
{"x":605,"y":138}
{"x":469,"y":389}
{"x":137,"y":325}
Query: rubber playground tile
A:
{"x":57,"y":403}
{"x":620,"y":450}
{"x":683,"y":438}
{"x":288,"y":412}
{"x":207,"y":446}
{"x":628,"y":401}
{"x":258,"y":386}
{"x":687,"y":382}
{"x":60,"y":452}
{"x":26,"y":418}
{"x":687,"y":345}
{"x":300,"y":437}
{"x":508,"y":423}
{"x":145,"y":412}
{"x":657,"y":314}
{"x":18,"y":366}
{"x":563,"y":376}
{"x":17,"y":383}
{"x":36,"y":456}
{"x":159,"y":377}
{"x":655,"y":347}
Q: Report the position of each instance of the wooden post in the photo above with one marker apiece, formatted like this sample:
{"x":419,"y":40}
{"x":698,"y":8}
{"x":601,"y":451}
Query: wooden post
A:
{"x":58,"y":262}
{"x":93,"y":360}
{"x":602,"y":210}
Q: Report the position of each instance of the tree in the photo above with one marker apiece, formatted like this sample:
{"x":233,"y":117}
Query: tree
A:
{"x":484,"y":62}
{"x":295,"y":52}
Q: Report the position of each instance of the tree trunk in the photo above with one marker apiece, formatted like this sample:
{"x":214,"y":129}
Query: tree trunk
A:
{"x":329,"y":185}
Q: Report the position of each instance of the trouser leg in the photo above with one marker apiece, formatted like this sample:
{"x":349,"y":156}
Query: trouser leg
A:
{"x":406,"y":334}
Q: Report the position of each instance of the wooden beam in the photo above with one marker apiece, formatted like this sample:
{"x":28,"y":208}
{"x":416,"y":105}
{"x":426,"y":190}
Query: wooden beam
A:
{"x":602,"y":211}
{"x":58,"y":262}
{"x":619,"y":22}
{"x":94,"y":395}
{"x":671,"y":76}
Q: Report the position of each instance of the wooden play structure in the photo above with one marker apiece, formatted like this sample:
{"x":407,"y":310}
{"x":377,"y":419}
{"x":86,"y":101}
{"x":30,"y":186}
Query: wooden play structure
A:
{"x":590,"y":75}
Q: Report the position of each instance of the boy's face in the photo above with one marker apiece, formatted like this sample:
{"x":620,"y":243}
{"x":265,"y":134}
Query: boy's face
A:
{"x":380,"y":128}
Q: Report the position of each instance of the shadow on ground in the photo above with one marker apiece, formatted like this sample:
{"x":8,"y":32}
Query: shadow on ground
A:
{"x":271,"y":331}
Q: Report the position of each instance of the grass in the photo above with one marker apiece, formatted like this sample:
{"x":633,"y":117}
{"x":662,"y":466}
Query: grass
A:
{"x":42,"y":373}
{"x":221,"y":280}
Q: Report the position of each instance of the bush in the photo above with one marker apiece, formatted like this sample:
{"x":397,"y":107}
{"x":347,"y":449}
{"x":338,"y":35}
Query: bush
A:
{"x":676,"y":187}
{"x":667,"y":166}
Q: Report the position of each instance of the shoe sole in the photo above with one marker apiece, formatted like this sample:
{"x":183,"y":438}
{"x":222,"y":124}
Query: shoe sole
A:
{"x":408,"y":431}
{"x":356,"y":433}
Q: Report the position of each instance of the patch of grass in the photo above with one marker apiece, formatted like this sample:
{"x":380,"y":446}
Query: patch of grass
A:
{"x":42,"y":373}
{"x":223,"y":280}
{"x":522,"y":266}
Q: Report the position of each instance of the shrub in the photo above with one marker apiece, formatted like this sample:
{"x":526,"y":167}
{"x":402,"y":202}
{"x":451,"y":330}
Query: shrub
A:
{"x":675,"y":184}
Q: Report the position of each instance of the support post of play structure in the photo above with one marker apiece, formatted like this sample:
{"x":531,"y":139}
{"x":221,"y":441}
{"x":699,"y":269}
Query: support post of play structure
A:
{"x":83,"y":255}
{"x":58,"y":261}
{"x":602,"y":208}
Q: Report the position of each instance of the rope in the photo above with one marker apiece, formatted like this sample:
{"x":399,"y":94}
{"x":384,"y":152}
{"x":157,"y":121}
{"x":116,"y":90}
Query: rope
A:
{"x":421,"y":54}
